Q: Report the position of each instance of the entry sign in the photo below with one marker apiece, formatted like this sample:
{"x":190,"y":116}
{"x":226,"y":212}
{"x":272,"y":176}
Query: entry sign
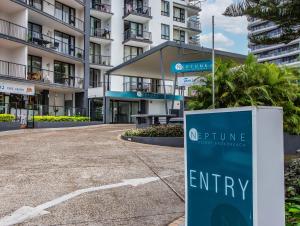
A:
{"x":193,"y":66}
{"x":234,"y":167}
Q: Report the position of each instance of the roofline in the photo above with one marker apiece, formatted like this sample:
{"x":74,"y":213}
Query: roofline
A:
{"x":174,"y":44}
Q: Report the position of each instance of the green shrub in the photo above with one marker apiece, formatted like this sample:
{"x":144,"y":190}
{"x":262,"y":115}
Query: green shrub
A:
{"x":61,"y":119}
{"x":292,"y":186}
{"x":156,"y":131}
{"x":7,"y":118}
{"x":252,"y":84}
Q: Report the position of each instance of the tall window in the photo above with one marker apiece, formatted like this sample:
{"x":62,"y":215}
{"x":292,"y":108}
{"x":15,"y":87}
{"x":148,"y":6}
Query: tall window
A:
{"x":65,"y":42}
{"x":95,"y":53}
{"x":64,"y":73}
{"x":165,"y":8}
{"x":95,"y":27}
{"x":34,"y":31}
{"x":179,"y":36}
{"x":165,"y":31}
{"x":178,"y":14}
{"x":95,"y":78}
{"x":34,"y":65}
{"x":131,"y":52}
{"x":65,"y":13}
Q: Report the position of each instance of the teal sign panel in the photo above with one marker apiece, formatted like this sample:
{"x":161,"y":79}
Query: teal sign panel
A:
{"x":142,"y":95}
{"x":194,"y":66}
{"x":219,"y":188}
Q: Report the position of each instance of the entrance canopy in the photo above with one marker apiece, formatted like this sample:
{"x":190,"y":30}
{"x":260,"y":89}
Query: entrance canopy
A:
{"x":148,"y":64}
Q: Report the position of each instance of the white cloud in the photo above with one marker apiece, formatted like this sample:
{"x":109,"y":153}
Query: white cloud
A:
{"x":221,"y":41}
{"x":236,"y":25}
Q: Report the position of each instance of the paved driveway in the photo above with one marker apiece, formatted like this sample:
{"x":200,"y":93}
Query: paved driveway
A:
{"x":81,"y":177}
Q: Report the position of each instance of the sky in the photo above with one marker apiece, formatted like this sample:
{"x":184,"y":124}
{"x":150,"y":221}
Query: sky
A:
{"x":230,"y":32}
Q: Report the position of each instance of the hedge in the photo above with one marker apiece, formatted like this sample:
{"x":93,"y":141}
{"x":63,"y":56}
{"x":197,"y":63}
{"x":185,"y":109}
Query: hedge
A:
{"x":156,"y":131}
{"x":292,"y":185}
{"x":61,"y":119}
{"x":7,"y":118}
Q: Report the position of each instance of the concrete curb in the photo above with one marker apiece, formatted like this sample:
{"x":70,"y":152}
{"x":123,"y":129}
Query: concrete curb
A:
{"x":25,"y":131}
{"x":177,"y":142}
{"x":178,"y":222}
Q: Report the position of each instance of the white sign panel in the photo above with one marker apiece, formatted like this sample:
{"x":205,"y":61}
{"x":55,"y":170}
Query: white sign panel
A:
{"x":16,"y":88}
{"x":190,"y":81}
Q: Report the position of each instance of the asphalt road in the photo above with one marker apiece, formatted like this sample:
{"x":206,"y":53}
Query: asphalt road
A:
{"x":76,"y":177}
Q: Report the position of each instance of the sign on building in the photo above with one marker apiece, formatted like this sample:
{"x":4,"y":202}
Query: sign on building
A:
{"x":193,"y":66}
{"x":234,"y":167}
{"x":191,"y":80}
{"x":16,"y":88}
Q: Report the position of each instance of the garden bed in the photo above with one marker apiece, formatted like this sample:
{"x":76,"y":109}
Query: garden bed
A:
{"x":41,"y":125}
{"x":165,"y":135}
{"x":161,"y":141}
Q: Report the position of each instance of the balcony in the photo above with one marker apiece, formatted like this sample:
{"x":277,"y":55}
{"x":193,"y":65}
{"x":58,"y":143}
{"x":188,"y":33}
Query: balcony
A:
{"x":100,"y":61}
{"x":100,"y":36}
{"x":39,"y":75}
{"x":51,"y":11}
{"x":137,"y":14}
{"x":101,"y":10}
{"x":136,"y":38}
{"x":194,"y":4}
{"x":146,"y":87}
{"x":40,"y":40}
{"x":194,"y":25}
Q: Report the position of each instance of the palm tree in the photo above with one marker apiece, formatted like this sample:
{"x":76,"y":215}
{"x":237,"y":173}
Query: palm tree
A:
{"x":285,"y":13}
{"x":252,"y":84}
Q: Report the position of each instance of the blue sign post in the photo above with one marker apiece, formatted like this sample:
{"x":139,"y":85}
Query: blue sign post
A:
{"x":222,"y":168}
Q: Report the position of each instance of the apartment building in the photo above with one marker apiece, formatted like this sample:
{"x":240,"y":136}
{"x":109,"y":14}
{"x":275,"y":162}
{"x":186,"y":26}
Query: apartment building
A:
{"x":55,"y":54}
{"x":281,"y":54}
{"x":123,"y":30}
{"x":42,"y":57}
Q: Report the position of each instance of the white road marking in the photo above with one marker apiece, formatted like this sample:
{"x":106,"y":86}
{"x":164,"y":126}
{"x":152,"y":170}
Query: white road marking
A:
{"x":26,"y":212}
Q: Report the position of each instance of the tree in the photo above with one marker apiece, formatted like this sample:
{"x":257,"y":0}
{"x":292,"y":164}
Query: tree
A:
{"x":252,"y":84}
{"x":285,"y":13}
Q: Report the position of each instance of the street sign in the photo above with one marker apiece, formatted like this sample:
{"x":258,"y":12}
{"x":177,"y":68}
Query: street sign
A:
{"x":193,"y":66}
{"x":234,"y":167}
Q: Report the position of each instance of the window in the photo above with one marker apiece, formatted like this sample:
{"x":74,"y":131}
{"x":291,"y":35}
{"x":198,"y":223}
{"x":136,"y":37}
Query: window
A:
{"x":95,"y":53}
{"x":65,"y":43}
{"x":65,"y":13}
{"x":179,"y":36}
{"x":95,"y":27}
{"x":34,"y":66}
{"x":95,"y":78}
{"x":178,"y":15}
{"x":131,"y":52}
{"x":165,"y":31}
{"x":38,"y":4}
{"x":34,"y":32}
{"x":165,"y":8}
{"x":133,"y":30}
{"x":64,"y":73}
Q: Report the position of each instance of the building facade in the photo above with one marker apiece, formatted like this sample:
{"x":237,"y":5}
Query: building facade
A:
{"x":42,"y":57}
{"x":123,"y":30}
{"x":281,"y":54}
{"x":55,"y":54}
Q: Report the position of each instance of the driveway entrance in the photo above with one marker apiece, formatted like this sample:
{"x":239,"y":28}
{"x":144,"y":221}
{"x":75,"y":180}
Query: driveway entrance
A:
{"x":88,"y":176}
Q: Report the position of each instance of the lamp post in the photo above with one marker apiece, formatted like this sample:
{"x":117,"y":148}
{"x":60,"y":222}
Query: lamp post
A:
{"x":213,"y":62}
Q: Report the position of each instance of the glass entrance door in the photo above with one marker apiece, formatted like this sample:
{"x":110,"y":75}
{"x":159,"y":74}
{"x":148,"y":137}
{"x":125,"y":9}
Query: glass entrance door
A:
{"x":123,"y":110}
